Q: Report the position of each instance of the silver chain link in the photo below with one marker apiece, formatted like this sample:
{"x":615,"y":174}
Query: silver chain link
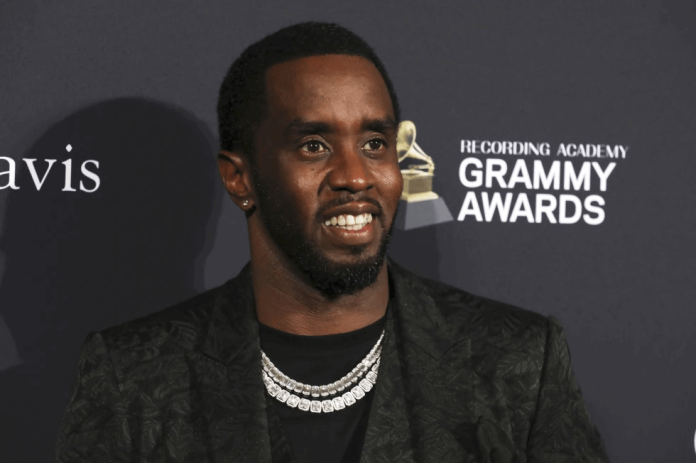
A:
{"x":288,"y":391}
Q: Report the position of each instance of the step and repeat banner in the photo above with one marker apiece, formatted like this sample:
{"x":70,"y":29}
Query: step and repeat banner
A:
{"x":556,"y":144}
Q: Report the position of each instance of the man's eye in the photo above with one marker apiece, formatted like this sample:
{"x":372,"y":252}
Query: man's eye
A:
{"x":374,"y":145}
{"x":313,"y":146}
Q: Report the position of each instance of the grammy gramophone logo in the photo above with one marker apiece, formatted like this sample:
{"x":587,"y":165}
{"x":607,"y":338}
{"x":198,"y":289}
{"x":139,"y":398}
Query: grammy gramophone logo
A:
{"x":420,"y":205}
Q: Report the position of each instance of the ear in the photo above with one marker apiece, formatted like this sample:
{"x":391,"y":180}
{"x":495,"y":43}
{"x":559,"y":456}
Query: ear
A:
{"x":235,"y":173}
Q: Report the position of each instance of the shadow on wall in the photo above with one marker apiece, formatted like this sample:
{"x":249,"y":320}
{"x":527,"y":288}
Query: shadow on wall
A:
{"x":77,"y":262}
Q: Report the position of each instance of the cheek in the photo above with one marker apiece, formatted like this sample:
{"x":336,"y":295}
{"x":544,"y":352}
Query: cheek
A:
{"x":301,"y":191}
{"x":393,"y":184}
{"x":305,"y":182}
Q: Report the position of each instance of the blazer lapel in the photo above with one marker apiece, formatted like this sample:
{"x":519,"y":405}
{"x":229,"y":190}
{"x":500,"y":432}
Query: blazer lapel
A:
{"x":389,"y":434}
{"x":230,"y":391}
{"x":451,"y":406}
{"x":425,"y":377}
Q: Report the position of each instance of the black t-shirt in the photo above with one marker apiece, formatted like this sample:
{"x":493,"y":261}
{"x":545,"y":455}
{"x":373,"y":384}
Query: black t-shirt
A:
{"x":321,"y":437}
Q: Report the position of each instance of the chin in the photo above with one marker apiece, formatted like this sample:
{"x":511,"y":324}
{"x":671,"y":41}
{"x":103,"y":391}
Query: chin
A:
{"x":343,"y":279}
{"x":335,"y":277}
{"x":354,"y":261}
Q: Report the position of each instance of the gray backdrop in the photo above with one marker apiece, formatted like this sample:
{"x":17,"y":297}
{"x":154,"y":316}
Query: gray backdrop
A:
{"x":132,"y":85}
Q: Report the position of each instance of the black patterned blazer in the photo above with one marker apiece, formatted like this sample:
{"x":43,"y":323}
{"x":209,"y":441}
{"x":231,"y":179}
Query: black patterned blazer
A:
{"x":462,"y":379}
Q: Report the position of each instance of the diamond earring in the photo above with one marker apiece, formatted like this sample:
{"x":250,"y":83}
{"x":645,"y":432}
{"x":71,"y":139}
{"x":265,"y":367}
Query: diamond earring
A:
{"x":246,"y":202}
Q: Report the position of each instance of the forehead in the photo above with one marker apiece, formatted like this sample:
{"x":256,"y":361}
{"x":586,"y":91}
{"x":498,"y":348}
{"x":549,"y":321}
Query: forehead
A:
{"x":327,"y":86}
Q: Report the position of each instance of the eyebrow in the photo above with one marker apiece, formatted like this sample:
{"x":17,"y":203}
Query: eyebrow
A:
{"x":382,"y":126}
{"x":302,"y":127}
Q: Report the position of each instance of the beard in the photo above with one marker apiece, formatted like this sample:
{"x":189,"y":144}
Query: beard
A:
{"x":331,"y":278}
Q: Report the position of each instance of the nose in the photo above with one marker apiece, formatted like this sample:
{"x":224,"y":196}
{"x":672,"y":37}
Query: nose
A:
{"x":350,"y":171}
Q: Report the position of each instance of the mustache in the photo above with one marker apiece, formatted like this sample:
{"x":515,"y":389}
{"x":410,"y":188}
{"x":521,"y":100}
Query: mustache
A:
{"x":341,"y":200}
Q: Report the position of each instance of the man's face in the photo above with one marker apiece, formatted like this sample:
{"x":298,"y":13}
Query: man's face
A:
{"x":325,"y":157}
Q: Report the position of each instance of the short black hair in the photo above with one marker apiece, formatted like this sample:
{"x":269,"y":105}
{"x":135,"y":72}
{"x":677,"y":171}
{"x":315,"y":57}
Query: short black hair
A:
{"x":242,"y":99}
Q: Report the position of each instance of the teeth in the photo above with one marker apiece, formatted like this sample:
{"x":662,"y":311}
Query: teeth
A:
{"x":349,"y":222}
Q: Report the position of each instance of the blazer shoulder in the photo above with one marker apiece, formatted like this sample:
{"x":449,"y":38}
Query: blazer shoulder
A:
{"x":453,"y":300}
{"x":174,"y":330}
{"x":470,"y":314}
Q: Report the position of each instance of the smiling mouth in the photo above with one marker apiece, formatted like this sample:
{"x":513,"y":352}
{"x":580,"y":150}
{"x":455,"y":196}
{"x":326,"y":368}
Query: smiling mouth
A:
{"x":349,"y":222}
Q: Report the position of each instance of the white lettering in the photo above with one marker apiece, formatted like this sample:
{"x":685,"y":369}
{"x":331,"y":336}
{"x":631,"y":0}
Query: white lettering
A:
{"x":466,"y":146}
{"x":522,"y":208}
{"x":90,"y":175}
{"x":520,"y":174}
{"x":497,"y":174}
{"x":470,"y":207}
{"x":603,"y":174}
{"x":582,"y":180}
{"x":11,"y":173}
{"x":475,"y":174}
{"x":562,"y":209}
{"x":547,"y":209}
{"x":590,"y":206}
{"x":68,"y":176}
{"x":553,"y":177}
{"x":496,"y":202}
{"x":568,"y":150}
{"x":34,"y":175}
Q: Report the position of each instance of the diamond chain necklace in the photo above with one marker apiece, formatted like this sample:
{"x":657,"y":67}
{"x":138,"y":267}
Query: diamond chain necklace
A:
{"x":283,"y":389}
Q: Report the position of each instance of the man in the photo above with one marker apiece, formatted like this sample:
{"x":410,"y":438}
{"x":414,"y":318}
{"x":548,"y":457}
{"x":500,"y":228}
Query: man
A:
{"x":321,"y":349}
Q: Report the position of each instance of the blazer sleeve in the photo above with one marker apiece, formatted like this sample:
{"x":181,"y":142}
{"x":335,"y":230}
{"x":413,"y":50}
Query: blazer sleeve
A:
{"x":94,"y":426}
{"x":562,"y":431}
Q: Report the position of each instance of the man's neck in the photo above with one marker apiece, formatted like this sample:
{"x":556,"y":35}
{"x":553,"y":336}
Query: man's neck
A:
{"x":286,"y":301}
